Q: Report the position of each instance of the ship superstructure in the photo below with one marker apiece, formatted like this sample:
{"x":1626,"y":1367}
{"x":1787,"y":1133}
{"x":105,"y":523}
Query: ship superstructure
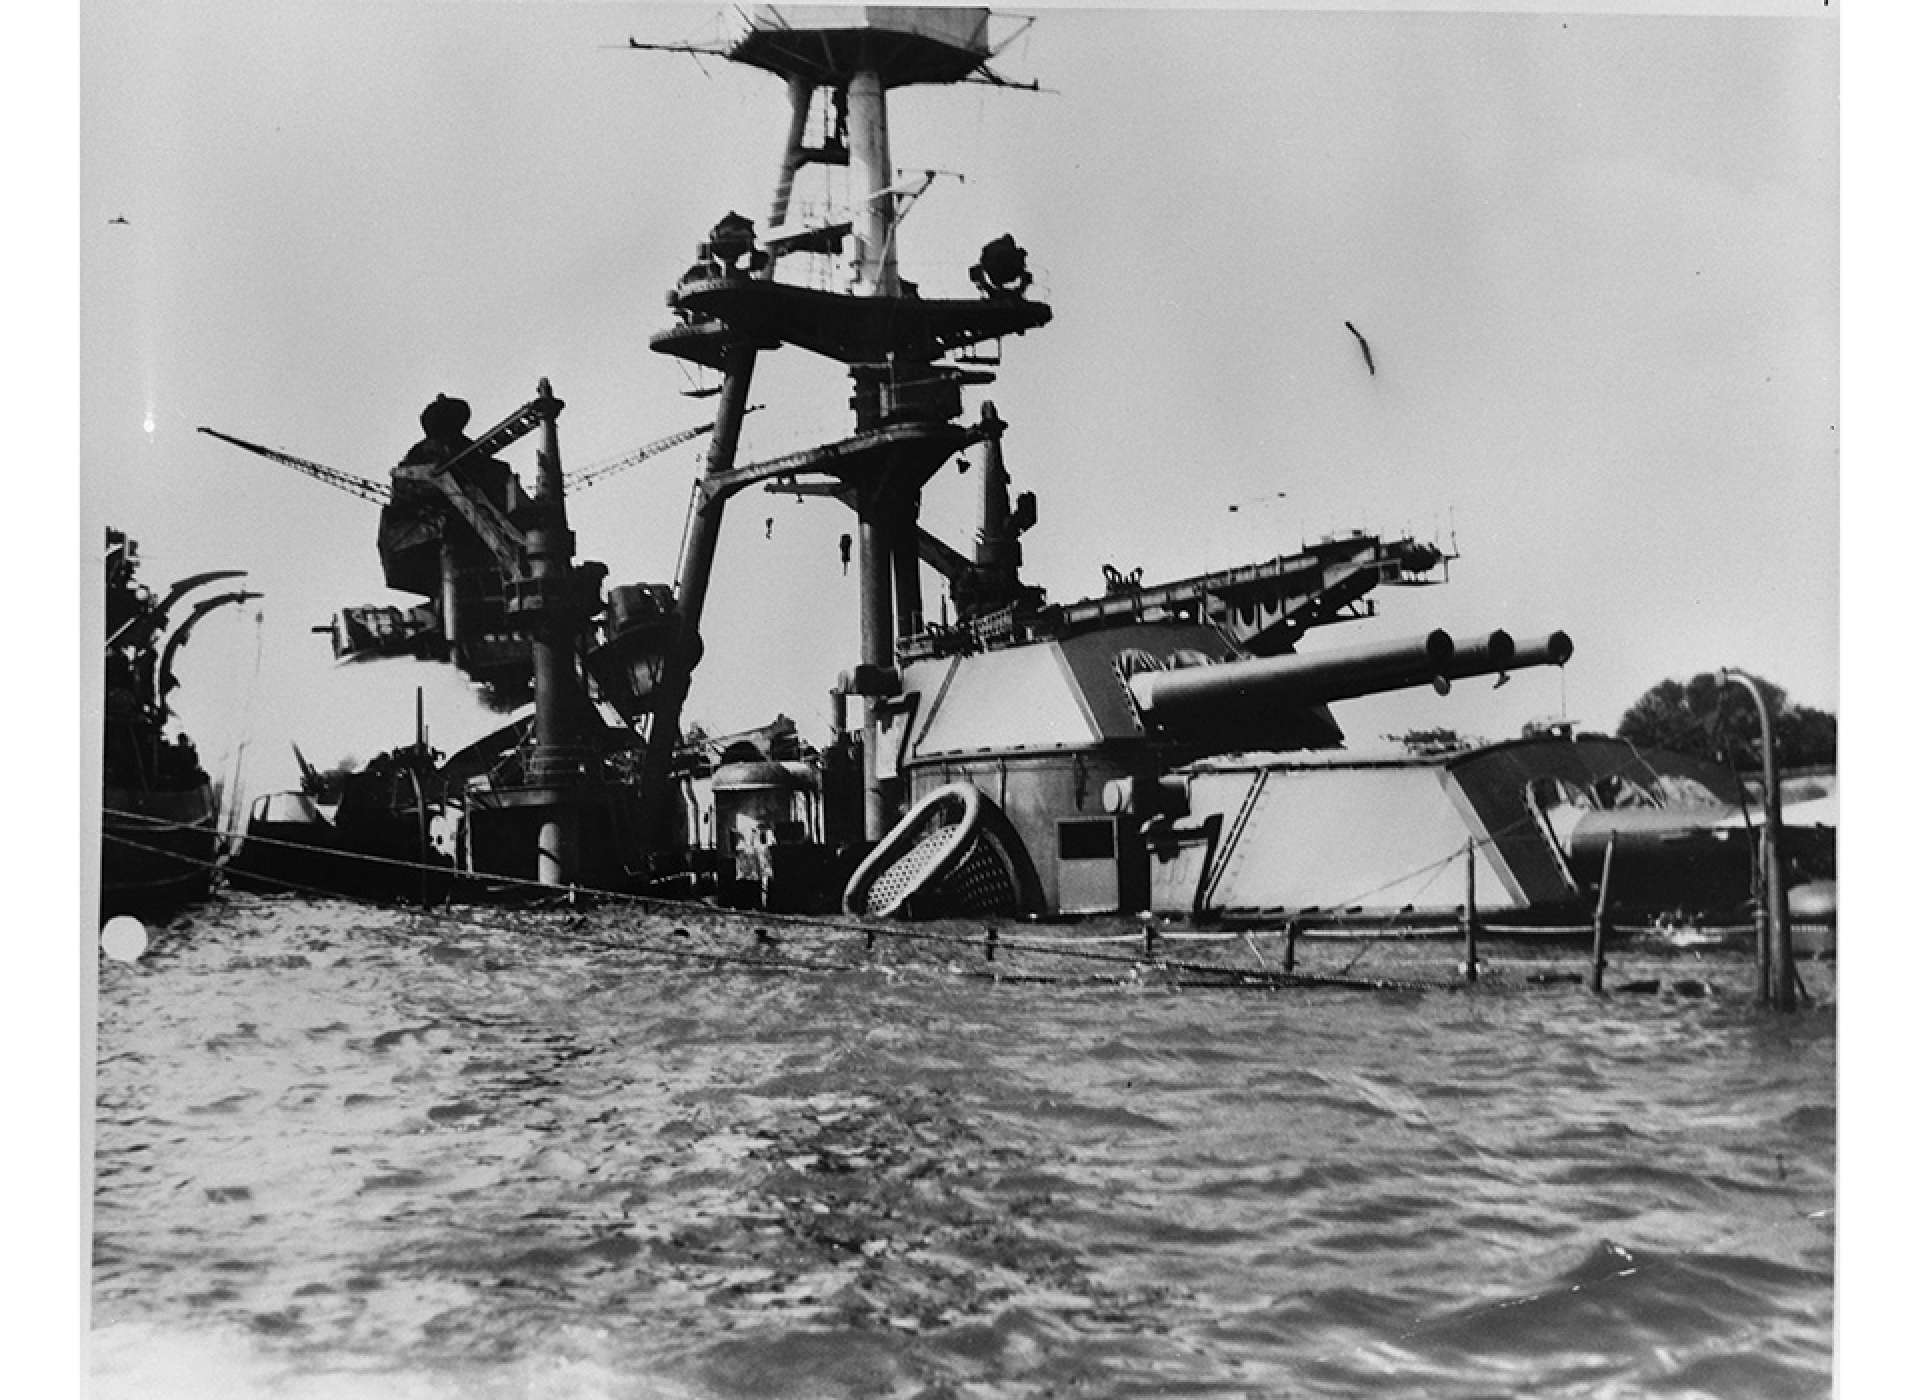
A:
{"x":1031,"y":706}
{"x":1063,"y":729}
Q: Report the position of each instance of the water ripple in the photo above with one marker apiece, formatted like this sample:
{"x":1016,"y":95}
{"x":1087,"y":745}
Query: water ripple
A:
{"x":343,"y":1154}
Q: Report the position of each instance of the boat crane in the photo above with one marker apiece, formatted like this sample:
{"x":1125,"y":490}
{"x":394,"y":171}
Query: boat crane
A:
{"x":367,"y":490}
{"x":506,"y":602}
{"x":381,"y":493}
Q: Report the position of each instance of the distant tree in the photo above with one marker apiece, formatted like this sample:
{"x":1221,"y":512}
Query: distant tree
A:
{"x":1696,"y":717}
{"x":1682,"y":716}
{"x":1808,"y":738}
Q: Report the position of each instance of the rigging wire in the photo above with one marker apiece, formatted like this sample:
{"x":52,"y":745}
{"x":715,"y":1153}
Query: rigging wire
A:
{"x":1209,"y":974}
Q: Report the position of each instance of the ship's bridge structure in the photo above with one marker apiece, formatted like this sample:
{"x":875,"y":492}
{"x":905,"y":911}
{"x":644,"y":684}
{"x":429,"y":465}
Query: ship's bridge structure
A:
{"x":902,"y":348}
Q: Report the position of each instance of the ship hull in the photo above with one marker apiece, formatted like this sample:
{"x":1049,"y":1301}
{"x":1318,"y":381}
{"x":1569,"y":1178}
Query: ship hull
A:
{"x":157,"y":848}
{"x":1335,"y":842}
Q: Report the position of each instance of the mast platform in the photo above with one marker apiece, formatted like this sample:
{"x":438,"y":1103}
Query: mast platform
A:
{"x":827,"y":44}
{"x":844,"y":327}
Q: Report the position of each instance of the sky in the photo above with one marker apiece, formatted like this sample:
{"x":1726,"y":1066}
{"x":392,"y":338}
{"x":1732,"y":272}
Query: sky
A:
{"x":1595,"y":256}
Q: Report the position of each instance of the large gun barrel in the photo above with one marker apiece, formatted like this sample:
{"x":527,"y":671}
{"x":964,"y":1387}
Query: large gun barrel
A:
{"x":1196,"y":699}
{"x":1497,"y":654}
{"x":1481,"y":656}
{"x":1231,"y":700}
{"x":1554,"y":649}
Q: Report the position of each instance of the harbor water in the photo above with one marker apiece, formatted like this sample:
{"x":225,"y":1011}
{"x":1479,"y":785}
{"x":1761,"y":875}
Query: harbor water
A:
{"x":343,"y":1152}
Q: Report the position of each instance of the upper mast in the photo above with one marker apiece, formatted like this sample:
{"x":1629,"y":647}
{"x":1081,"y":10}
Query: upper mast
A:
{"x":843,"y":61}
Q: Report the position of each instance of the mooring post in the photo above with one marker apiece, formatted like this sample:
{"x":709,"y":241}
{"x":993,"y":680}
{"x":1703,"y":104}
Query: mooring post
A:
{"x":1777,"y":970}
{"x":1470,"y":920}
{"x":1595,"y":978}
{"x":1293,"y":930}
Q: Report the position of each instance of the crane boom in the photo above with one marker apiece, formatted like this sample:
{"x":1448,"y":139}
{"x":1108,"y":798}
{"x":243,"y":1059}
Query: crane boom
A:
{"x":380,"y":493}
{"x":376,"y":491}
{"x":499,"y":533}
{"x":600,"y":471}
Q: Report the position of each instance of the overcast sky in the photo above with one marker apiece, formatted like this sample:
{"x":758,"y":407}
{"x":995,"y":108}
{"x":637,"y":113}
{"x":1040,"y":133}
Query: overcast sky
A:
{"x":1595,"y":256}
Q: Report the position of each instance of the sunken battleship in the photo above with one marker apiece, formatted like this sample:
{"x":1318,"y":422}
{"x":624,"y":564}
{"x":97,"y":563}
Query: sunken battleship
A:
{"x":1162,"y":747}
{"x":158,"y":808}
